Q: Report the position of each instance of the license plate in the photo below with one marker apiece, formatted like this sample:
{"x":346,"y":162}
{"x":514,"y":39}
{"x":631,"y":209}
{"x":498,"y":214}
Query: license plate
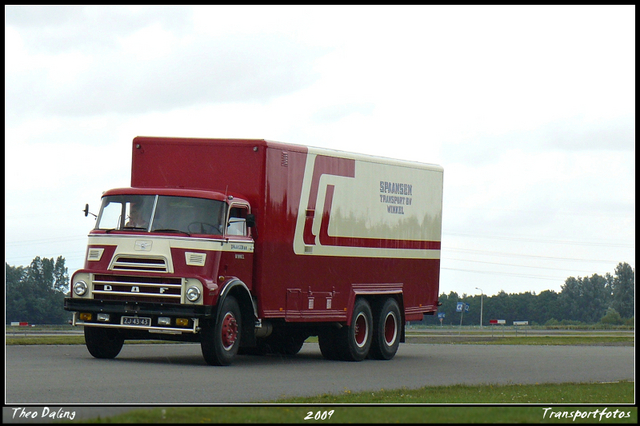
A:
{"x":141,"y":321}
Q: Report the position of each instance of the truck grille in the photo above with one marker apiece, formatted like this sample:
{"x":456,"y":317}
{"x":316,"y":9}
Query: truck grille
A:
{"x":137,"y":289}
{"x":141,"y":264}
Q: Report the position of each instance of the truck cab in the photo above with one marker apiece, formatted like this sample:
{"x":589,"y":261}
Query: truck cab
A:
{"x":157,"y":262}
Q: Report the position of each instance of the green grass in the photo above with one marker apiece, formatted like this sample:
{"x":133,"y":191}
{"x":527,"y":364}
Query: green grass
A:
{"x":46,"y":340}
{"x":554,"y":340}
{"x":369,"y":409}
{"x":367,"y":415}
{"x":567,"y":337}
{"x":571,"y":393}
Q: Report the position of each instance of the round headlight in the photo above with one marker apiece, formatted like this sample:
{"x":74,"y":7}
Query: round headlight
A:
{"x":80,"y":288}
{"x":193,"y":294}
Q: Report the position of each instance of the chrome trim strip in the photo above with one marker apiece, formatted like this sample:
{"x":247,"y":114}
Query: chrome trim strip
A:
{"x":128,"y":293}
{"x":151,"y":329}
{"x":139,"y":284}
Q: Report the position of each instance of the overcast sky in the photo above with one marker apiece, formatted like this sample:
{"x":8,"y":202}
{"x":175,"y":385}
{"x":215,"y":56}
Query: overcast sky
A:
{"x":529,"y":109}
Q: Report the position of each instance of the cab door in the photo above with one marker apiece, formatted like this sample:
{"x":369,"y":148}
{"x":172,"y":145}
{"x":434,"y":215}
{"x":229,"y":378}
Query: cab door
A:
{"x":237,"y":251}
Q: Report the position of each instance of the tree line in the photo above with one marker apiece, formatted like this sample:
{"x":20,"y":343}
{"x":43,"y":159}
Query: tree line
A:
{"x":582,"y":300}
{"x":35,"y":294}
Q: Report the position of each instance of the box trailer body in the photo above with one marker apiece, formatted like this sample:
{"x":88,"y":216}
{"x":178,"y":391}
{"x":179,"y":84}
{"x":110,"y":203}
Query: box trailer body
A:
{"x":255,"y":245}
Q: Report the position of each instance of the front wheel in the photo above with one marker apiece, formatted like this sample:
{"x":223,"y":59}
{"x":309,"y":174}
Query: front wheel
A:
{"x":221,"y":339}
{"x":103,"y":342}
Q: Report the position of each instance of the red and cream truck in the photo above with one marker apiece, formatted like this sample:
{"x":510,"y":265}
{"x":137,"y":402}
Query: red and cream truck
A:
{"x":251,"y":246}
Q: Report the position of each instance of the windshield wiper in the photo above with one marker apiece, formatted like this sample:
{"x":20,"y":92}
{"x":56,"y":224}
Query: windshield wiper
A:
{"x":134,"y":228}
{"x":177,"y":231}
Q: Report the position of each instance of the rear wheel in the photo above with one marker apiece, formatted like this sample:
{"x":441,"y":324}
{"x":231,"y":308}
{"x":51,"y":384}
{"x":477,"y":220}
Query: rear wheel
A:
{"x":103,"y":342}
{"x":221,"y":339}
{"x":327,"y":339}
{"x":386,"y":330}
{"x":285,"y":342}
{"x":354,"y":340}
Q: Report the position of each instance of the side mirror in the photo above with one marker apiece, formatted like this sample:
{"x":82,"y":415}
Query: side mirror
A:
{"x":87,"y":212}
{"x":251,"y":221}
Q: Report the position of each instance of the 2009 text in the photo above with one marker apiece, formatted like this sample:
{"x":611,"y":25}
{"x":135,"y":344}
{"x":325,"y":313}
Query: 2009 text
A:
{"x":319,"y":415}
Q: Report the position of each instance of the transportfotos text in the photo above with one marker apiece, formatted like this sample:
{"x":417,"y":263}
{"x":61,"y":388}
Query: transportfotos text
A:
{"x":597,"y":414}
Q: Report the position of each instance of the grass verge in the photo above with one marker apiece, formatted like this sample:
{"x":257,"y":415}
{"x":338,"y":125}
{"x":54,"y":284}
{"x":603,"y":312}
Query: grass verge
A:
{"x":528,"y":340}
{"x":45,"y":340}
{"x":551,"y":407}
{"x":566,"y":393}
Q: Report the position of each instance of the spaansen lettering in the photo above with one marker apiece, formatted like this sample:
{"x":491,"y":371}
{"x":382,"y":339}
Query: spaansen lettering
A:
{"x":61,"y":413}
{"x":395,"y":203}
{"x":393,"y":199}
{"x":395,"y":209}
{"x":396,"y":188}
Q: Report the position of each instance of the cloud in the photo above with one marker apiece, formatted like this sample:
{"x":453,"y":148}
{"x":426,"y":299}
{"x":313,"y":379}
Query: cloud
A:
{"x":538,"y":193}
{"x":141,"y":68}
{"x":337,"y":112}
{"x":572,"y":134}
{"x":219,"y":71}
{"x":529,"y":109}
{"x":581,"y":133}
{"x":61,"y":29}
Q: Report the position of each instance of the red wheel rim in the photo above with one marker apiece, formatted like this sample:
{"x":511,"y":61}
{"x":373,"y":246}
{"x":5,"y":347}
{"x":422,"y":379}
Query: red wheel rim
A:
{"x":361,"y":330}
{"x":229,"y":331}
{"x":390,"y":329}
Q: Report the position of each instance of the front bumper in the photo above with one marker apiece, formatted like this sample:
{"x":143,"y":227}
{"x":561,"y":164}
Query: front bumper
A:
{"x":117,"y":310}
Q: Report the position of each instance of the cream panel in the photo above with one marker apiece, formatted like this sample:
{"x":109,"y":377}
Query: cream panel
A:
{"x":371,"y":206}
{"x":161,"y":245}
{"x":358,"y":210}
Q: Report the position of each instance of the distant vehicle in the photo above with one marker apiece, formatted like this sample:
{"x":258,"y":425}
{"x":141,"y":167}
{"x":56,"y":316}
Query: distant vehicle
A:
{"x":251,"y":246}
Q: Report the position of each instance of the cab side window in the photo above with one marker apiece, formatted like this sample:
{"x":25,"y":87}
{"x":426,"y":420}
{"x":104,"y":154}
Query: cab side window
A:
{"x":237,"y":224}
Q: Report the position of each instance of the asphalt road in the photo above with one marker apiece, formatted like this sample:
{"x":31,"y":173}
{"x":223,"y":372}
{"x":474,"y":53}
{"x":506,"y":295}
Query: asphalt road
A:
{"x":176,"y":373}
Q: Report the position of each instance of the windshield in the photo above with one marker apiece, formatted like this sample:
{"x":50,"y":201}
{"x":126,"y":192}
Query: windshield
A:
{"x":161,"y":213}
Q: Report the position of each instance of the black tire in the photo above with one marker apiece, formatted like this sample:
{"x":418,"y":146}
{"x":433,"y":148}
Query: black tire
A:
{"x":221,"y":339}
{"x":259,"y":350}
{"x":291,"y":347}
{"x":285,"y":342}
{"x":105,"y":343}
{"x":387,"y":321}
{"x":327,"y":339}
{"x":328,"y":342}
{"x":354,"y":341}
